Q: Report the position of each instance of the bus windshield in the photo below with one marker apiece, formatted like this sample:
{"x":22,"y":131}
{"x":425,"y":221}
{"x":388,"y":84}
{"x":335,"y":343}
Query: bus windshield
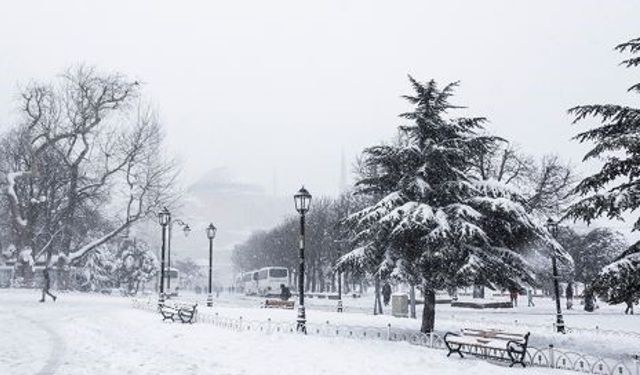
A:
{"x":278,"y":272}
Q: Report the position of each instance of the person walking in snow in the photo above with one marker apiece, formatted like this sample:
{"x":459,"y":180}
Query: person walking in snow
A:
{"x":513,"y":294}
{"x":568,"y":293}
{"x":386,"y":293}
{"x":530,"y":298}
{"x":46,"y":285}
{"x":629,"y":309}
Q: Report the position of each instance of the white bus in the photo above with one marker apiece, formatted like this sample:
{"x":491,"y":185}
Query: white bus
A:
{"x":265,"y":281}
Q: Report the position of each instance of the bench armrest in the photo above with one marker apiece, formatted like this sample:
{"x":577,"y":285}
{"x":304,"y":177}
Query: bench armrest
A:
{"x":450,"y":333}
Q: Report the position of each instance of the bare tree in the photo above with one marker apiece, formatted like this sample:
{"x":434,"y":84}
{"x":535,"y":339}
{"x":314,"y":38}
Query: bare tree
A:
{"x":546,"y":183}
{"x":552,"y":181}
{"x":87,"y":148}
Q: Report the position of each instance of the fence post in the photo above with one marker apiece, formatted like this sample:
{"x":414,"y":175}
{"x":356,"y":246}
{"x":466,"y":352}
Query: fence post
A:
{"x":240,"y":325}
{"x":388,"y":331}
{"x":431,"y":340}
{"x":552,"y":361}
{"x":269,"y":325}
{"x":636,"y":360}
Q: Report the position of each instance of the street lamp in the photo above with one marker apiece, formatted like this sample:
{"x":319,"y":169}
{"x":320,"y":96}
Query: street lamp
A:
{"x":211,"y":234}
{"x":164,"y":217}
{"x":552,"y":227}
{"x":302,"y":201}
{"x":186,"y":229}
{"x":339,"y":292}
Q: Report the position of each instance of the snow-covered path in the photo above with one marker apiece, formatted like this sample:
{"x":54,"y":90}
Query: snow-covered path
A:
{"x":88,"y":334}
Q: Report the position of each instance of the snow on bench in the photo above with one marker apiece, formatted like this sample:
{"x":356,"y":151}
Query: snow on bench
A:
{"x":278,"y":304}
{"x":492,"y":343}
{"x":185,"y":312}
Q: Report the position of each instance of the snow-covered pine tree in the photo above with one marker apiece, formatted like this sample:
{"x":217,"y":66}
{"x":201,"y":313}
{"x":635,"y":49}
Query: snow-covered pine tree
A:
{"x":437,"y":219}
{"x":615,"y":189}
{"x":135,"y":265}
{"x":619,"y":281}
{"x":98,"y":269}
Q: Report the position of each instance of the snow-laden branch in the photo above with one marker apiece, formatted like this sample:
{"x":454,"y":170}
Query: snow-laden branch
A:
{"x":79,"y":253}
{"x":13,"y":197}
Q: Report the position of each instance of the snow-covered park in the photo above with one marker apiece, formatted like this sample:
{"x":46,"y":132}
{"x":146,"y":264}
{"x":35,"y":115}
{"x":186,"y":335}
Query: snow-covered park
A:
{"x":329,"y":187}
{"x":97,"y":334}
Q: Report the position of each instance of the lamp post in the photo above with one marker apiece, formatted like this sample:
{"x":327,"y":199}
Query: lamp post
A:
{"x":186,"y":229}
{"x":164,"y":217}
{"x":302,"y":200}
{"x":211,"y":234}
{"x":339,"y":292}
{"x":552,"y":227}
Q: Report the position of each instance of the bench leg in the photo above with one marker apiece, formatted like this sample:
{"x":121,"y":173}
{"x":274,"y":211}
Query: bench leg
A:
{"x":169,"y":317}
{"x":518,"y":358}
{"x":454,"y":350}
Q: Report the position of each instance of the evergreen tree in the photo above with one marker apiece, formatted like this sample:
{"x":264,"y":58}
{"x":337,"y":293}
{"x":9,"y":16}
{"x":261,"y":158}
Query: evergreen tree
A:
{"x":598,"y":248}
{"x":620,"y":281}
{"x":438,"y":219}
{"x":615,"y":189}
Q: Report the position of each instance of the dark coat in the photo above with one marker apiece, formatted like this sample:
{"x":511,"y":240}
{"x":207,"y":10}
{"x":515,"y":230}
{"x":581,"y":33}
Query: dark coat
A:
{"x":285,"y":293}
{"x":569,"y":291}
{"x":47,"y":278}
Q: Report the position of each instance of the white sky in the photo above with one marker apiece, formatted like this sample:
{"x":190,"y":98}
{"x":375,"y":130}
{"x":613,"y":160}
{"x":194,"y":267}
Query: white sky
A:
{"x":281,"y":87}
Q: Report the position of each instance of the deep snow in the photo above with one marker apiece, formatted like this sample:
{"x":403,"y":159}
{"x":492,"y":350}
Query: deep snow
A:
{"x":93,"y":334}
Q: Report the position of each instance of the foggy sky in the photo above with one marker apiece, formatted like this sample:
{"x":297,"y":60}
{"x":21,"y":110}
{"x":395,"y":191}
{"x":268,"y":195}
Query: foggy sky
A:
{"x":280,"y":88}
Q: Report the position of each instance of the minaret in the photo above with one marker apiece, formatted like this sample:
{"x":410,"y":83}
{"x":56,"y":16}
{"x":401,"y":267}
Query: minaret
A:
{"x":343,"y":172}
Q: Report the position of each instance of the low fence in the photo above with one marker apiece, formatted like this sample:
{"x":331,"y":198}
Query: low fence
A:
{"x":539,"y":357}
{"x":551,"y":327}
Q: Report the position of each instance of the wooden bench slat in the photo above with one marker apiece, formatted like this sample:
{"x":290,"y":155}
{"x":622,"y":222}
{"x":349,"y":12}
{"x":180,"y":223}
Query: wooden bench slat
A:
{"x":489,"y":343}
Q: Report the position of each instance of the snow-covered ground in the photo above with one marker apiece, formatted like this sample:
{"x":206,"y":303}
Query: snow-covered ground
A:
{"x":93,"y":334}
{"x":606,"y":333}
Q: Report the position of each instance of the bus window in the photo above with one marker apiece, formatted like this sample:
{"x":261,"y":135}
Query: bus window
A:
{"x":262,"y":275}
{"x":278,"y":272}
{"x":255,"y":276}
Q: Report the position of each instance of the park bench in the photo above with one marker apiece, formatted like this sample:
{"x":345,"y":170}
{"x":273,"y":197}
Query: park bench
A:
{"x":185,"y":312}
{"x":492,"y":344}
{"x":278,"y":304}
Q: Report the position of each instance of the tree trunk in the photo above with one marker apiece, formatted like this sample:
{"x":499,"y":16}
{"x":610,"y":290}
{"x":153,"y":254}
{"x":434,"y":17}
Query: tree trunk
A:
{"x":478,"y":291}
{"x":321,"y":281}
{"x":377,"y":304}
{"x":70,"y":214}
{"x":429,"y":312}
{"x":412,"y":297}
{"x":332,"y":288}
{"x":345,"y":282}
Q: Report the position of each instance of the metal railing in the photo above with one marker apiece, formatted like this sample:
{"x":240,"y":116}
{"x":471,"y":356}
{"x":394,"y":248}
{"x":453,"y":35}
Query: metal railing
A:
{"x":539,"y":357}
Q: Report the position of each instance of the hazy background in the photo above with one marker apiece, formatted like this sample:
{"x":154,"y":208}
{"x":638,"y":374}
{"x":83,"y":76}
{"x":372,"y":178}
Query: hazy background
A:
{"x":259,"y":97}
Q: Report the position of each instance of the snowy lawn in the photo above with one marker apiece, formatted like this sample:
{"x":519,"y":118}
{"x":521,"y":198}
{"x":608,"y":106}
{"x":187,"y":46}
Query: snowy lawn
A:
{"x":617,"y":335}
{"x":92,"y":334}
